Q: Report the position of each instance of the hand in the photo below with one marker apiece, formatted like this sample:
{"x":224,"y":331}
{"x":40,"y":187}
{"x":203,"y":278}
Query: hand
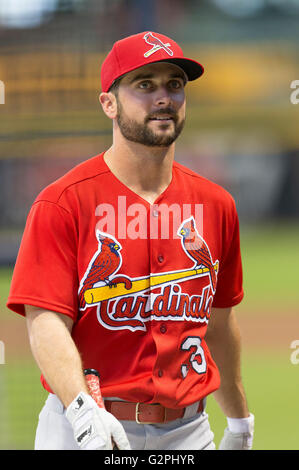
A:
{"x":240,"y":437}
{"x":95,"y":428}
{"x":236,"y":441}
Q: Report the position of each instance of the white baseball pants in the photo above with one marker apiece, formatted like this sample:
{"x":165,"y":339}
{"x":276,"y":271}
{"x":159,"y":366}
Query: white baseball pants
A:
{"x":192,"y":432}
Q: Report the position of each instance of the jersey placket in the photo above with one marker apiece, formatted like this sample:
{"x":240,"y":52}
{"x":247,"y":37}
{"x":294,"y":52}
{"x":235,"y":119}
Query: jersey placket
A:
{"x":154,"y":219}
{"x":157,"y":262}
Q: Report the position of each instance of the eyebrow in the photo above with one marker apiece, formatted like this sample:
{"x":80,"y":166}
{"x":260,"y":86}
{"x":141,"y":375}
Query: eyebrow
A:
{"x":152,"y":75}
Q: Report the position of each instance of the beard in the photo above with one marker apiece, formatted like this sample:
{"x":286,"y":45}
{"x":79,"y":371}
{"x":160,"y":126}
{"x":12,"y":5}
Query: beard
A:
{"x":141,"y":132}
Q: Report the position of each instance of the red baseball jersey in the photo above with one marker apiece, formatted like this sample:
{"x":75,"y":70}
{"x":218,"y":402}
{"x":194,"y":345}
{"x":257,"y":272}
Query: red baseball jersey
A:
{"x":138,"y":279}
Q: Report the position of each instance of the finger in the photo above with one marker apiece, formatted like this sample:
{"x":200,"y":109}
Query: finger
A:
{"x":120,"y":438}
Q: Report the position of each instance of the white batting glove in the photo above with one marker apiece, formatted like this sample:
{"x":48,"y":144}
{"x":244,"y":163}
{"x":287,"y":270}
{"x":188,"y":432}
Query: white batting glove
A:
{"x":94,"y":427}
{"x":239,"y":434}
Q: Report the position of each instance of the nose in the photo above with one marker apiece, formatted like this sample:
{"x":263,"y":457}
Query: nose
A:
{"x":162,"y":97}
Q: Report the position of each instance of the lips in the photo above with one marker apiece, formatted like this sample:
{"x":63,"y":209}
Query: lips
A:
{"x":161,"y":118}
{"x":166,"y":114}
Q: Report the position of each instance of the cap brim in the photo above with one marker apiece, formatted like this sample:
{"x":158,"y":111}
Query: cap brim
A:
{"x":192,"y":68}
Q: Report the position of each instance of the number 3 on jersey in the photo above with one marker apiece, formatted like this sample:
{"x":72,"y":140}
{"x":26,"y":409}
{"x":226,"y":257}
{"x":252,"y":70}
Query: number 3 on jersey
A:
{"x":199,"y":366}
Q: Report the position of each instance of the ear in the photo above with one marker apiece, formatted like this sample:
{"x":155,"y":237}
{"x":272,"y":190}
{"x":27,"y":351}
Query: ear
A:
{"x":109,"y":104}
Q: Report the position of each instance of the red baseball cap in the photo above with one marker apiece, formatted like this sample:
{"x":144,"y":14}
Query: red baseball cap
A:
{"x":141,"y":49}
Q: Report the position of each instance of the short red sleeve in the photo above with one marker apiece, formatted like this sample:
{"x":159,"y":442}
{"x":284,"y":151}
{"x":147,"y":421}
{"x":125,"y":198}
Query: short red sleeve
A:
{"x":229,"y":290}
{"x":45,"y":273}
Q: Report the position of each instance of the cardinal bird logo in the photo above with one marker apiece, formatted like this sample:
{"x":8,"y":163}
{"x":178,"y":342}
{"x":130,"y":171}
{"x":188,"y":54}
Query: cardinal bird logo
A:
{"x":157,"y":45}
{"x":103,"y":265}
{"x":125,"y":302}
{"x":197,"y":249}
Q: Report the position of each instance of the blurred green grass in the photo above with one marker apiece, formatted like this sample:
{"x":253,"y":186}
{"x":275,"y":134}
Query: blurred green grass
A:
{"x":270,"y":259}
{"x":272,"y":384}
{"x":22,"y":398}
{"x":5,"y":279}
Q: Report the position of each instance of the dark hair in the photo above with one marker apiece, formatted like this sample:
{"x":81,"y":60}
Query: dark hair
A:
{"x":114,"y":87}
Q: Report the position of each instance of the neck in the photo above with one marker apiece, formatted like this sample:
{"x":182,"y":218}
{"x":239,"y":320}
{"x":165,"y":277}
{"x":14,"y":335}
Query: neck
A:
{"x":145,"y":170}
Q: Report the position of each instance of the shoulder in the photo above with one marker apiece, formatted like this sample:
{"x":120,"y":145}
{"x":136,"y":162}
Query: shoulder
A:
{"x":211,"y":191}
{"x":80,"y":174}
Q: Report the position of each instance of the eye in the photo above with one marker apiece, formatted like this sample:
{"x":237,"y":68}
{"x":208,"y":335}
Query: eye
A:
{"x":145,"y":85}
{"x":176,"y":84}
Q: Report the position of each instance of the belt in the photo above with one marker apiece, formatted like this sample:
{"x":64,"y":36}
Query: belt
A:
{"x":146,"y":413}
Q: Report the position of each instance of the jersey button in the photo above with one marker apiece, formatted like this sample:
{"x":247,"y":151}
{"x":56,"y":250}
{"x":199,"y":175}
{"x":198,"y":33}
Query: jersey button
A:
{"x":160,"y":258}
{"x":163,"y":328}
{"x":155,"y":213}
{"x":160,"y":373}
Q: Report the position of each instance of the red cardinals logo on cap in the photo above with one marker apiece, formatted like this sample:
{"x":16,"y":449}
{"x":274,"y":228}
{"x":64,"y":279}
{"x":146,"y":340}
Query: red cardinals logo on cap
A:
{"x":157,"y":45}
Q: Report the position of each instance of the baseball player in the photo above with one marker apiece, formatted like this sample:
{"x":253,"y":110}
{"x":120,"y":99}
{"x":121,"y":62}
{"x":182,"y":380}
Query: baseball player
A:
{"x":130,"y":265}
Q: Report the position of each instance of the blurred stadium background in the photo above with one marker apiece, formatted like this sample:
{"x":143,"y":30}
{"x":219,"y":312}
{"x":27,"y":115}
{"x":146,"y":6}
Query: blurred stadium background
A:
{"x":241,"y":131}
